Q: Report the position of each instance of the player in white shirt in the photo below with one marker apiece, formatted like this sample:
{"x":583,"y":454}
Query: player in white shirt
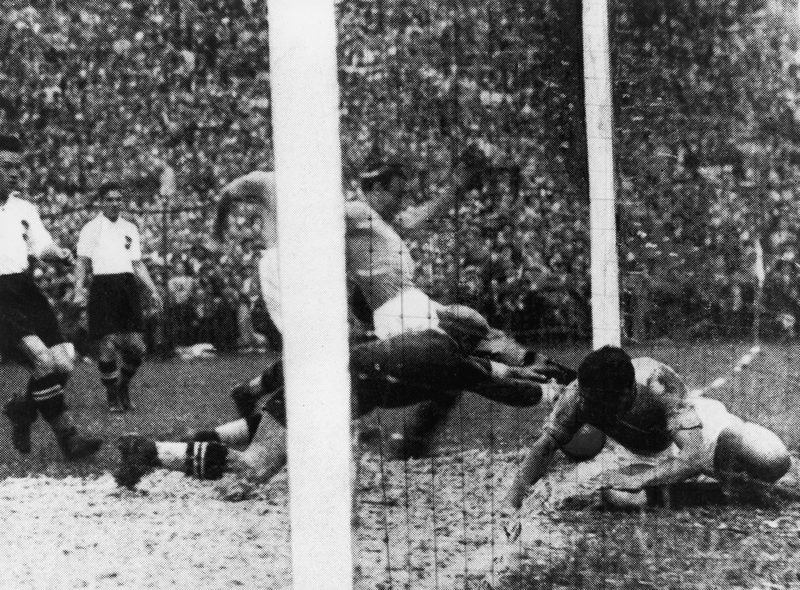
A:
{"x":109,"y":250}
{"x":426,"y":355}
{"x":664,"y":435}
{"x":28,"y":325}
{"x":389,"y":186}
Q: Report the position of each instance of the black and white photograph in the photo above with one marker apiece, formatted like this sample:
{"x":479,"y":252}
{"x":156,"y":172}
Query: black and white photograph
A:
{"x":400,"y":294}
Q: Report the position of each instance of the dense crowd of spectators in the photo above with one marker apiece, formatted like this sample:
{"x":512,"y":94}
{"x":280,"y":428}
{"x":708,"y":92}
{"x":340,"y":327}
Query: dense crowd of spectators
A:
{"x":176,"y":94}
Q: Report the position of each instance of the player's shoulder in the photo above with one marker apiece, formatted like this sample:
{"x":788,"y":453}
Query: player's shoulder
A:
{"x":130,"y":224}
{"x":17,"y":202}
{"x":658,"y":377}
{"x":93,"y":222}
{"x":359,"y":212}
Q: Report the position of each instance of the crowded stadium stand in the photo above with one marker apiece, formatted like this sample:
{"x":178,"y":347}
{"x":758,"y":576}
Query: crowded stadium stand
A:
{"x":178,"y":93}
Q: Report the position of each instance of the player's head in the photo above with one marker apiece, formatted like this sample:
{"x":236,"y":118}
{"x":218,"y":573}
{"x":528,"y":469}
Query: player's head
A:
{"x":385,"y":182}
{"x":257,"y":188}
{"x":607,"y":382}
{"x":10,"y":165}
{"x":110,"y":199}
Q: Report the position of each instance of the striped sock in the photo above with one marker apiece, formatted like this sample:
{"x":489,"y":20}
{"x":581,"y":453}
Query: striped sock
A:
{"x":48,"y":395}
{"x":205,"y":460}
{"x":109,"y":373}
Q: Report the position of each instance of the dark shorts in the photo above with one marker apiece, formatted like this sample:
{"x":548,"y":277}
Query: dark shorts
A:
{"x":114,"y":306}
{"x":400,"y":371}
{"x":25,"y":311}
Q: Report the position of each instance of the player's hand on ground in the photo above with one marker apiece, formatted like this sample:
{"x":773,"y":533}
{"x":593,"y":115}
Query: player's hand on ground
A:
{"x":614,"y":480}
{"x":510,"y":522}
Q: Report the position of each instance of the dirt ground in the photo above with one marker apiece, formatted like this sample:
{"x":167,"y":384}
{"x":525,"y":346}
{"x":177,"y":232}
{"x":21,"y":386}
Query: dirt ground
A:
{"x":75,"y":532}
{"x":431,"y":523}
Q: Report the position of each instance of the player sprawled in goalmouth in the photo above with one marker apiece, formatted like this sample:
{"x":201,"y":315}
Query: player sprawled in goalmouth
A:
{"x":109,"y":250}
{"x":664,"y":435}
{"x":424,"y":352}
{"x":28,"y":325}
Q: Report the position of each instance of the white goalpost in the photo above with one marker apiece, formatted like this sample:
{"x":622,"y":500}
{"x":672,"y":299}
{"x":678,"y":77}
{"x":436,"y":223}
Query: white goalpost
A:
{"x":604,"y":267}
{"x":305,"y":112}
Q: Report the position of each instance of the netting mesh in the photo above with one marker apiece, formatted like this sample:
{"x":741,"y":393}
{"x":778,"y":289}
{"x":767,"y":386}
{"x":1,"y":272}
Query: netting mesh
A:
{"x":705,"y":99}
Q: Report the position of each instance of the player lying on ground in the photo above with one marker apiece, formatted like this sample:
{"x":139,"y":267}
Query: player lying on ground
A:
{"x":109,"y":249}
{"x":380,"y":270}
{"x":644,"y":406}
{"x":28,"y":324}
{"x":399,"y":371}
{"x":408,"y":322}
{"x":391,"y":187}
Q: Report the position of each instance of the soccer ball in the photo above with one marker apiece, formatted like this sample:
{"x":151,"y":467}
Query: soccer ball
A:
{"x":585,"y":445}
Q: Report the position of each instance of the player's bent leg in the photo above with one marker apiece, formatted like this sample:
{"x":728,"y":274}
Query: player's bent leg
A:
{"x":109,"y":371}
{"x":753,"y":450}
{"x":46,"y":390}
{"x":203,"y":460}
{"x":132,"y":351}
{"x":140,"y":455}
{"x":39,"y":355}
{"x":420,"y":424}
{"x":64,"y":357}
{"x":266,"y":455}
{"x":248,"y":395}
{"x":21,"y":409}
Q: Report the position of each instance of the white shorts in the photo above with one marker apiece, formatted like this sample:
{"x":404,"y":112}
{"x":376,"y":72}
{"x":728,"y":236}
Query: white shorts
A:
{"x":410,"y":311}
{"x":714,"y":418}
{"x":270,"y":285}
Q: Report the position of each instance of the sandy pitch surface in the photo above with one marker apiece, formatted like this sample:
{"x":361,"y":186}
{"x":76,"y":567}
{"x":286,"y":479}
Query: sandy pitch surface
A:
{"x":177,"y":533}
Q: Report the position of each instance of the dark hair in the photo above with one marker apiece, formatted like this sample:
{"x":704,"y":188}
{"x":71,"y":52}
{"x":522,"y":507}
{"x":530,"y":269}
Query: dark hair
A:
{"x":380,"y":173}
{"x":10,"y":143}
{"x":106,"y":188}
{"x":608,"y":369}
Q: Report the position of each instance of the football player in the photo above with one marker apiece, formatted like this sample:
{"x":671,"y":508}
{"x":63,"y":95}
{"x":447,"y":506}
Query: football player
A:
{"x":665,"y":435}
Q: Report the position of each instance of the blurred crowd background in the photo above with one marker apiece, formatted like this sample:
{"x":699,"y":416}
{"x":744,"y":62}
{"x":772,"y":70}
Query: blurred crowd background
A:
{"x":176,"y":93}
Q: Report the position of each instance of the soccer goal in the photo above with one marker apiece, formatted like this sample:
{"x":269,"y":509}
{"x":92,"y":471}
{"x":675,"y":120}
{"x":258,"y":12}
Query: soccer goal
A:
{"x":627,"y":200}
{"x":305,"y":109}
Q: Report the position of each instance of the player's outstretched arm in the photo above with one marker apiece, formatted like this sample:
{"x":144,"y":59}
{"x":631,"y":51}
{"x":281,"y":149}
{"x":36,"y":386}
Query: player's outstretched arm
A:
{"x":533,"y":468}
{"x":255,"y":185}
{"x":687,"y":463}
{"x":464,"y":176}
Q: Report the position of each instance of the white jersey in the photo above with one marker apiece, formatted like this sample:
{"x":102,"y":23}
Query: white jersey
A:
{"x":112,"y":246}
{"x":270,"y":285}
{"x":23,"y":235}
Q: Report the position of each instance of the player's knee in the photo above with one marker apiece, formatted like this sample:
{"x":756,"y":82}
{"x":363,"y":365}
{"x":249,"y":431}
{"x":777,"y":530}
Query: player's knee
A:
{"x":134,"y":348}
{"x":43,"y":362}
{"x":63,"y":358}
{"x":766,"y":457}
{"x":753,"y":450}
{"x":621,"y":500}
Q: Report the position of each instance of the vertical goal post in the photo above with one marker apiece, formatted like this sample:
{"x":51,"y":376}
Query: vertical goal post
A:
{"x":311,"y":229}
{"x":604,"y":265}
